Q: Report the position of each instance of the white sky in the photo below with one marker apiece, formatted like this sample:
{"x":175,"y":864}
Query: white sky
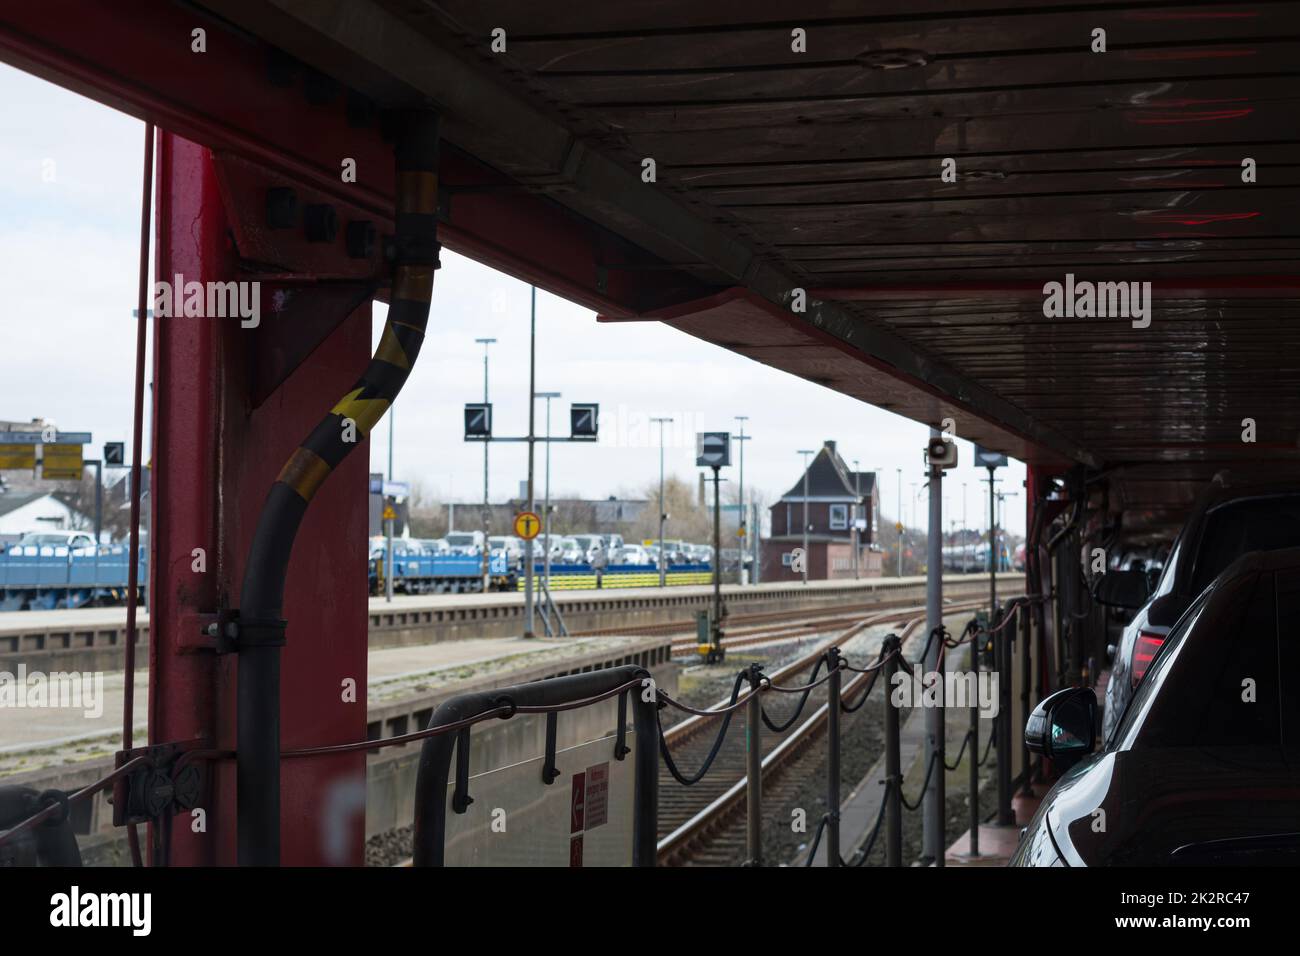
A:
{"x":68,"y":259}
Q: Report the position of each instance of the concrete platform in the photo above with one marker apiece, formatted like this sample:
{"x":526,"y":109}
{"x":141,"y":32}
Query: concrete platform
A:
{"x":392,"y":673}
{"x":92,"y":638}
{"x":997,"y":844}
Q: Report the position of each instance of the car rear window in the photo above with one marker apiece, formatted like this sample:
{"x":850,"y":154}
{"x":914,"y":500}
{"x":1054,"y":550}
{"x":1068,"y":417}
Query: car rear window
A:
{"x":1215,"y":682}
{"x":1236,"y":528}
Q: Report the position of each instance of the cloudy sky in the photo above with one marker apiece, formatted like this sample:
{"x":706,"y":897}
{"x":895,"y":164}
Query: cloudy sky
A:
{"x":69,"y":203}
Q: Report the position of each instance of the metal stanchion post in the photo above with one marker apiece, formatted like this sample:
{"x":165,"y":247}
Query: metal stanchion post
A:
{"x":893,"y":760}
{"x":833,"y":758}
{"x":1026,"y":620}
{"x":1002,"y":723}
{"x":975,"y":753}
{"x":754,"y":770}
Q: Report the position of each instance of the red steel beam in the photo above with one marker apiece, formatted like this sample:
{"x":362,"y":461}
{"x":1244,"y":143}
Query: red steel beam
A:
{"x":139,"y":60}
{"x":213,"y":460}
{"x":1203,"y":287}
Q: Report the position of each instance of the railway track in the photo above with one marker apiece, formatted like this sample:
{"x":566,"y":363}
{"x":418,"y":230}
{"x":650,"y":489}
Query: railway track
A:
{"x":747,"y":630}
{"x":703,"y":824}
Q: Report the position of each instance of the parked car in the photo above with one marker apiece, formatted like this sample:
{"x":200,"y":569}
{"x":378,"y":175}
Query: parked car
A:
{"x":464,"y":542}
{"x":588,"y":543}
{"x":614,"y":545}
{"x":1227,"y":521}
{"x":699,"y":554}
{"x":57,"y":539}
{"x":1198,"y":771}
{"x":635,"y":554}
{"x":568,"y":550}
{"x":511,"y":547}
{"x":436,"y":545}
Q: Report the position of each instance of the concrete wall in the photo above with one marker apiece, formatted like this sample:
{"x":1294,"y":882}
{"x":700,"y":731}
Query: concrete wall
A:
{"x":93,"y":640}
{"x":390,"y":772}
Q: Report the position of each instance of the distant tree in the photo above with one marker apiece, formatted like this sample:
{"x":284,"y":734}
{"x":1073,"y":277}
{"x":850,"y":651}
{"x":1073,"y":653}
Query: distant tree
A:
{"x":686,"y":519}
{"x":427,"y":517}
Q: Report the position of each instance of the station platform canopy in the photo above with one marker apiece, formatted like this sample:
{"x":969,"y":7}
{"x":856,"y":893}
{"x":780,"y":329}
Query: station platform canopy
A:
{"x":799,"y":156}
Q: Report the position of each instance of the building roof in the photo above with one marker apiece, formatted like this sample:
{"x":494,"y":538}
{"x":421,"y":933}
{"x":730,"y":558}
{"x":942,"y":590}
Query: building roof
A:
{"x":830,"y":477}
{"x":12,"y":502}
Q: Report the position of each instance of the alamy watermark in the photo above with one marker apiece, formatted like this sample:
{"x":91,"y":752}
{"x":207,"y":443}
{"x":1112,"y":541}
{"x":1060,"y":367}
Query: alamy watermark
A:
{"x":209,"y":300}
{"x":60,"y":689}
{"x":955,"y":689}
{"x":1102,"y":300}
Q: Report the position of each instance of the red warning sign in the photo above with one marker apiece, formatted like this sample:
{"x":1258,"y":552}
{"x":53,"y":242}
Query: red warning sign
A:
{"x":577,"y":804}
{"x":575,"y":850}
{"x":596,"y":799}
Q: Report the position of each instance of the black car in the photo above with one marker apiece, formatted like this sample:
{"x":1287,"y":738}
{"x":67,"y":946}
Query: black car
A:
{"x":1228,"y":520}
{"x":1204,"y":766}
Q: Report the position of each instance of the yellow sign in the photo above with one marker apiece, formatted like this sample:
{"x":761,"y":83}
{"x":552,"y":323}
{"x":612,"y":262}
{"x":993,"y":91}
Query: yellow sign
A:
{"x":17,"y":456}
{"x":898,"y":526}
{"x":648,"y":542}
{"x":389,"y":513}
{"x":527,"y":525}
{"x":61,"y":462}
{"x":740,"y":532}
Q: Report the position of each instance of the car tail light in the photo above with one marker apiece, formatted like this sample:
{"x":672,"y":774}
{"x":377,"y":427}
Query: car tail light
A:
{"x":1144,"y":652}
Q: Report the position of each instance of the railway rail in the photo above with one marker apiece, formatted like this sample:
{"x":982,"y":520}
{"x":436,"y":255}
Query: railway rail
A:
{"x":698,"y":824}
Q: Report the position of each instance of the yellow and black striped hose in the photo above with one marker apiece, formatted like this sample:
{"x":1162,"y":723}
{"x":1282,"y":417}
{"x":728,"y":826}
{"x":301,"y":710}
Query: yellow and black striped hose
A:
{"x":261,"y":629}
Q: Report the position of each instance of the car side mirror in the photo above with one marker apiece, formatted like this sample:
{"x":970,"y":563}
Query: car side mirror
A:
{"x":1126,"y":589}
{"x":1063,"y":727}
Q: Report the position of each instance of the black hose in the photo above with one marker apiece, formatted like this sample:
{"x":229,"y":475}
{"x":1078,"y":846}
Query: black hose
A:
{"x":261,"y":630}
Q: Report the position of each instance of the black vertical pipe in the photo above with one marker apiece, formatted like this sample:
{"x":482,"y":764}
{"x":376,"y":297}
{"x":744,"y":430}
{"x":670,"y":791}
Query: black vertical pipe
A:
{"x":645,"y":804}
{"x":1002,"y":723}
{"x":261,"y":629}
{"x":975,"y":753}
{"x":1026,"y":653}
{"x":754,"y":772}
{"x":893,"y":760}
{"x":833,"y":760}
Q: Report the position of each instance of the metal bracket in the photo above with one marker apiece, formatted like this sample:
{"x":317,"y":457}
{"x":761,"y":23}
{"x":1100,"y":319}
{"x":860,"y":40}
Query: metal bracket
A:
{"x":229,"y":632}
{"x":167,"y":785}
{"x":549,"y":771}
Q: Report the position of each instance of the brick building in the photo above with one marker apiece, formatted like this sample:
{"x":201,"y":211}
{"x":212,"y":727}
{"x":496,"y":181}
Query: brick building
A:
{"x":837,"y":499}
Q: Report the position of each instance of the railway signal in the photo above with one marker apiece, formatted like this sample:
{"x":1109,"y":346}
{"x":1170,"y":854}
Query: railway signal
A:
{"x":584,"y":422}
{"x":478,"y":421}
{"x":713,"y":449}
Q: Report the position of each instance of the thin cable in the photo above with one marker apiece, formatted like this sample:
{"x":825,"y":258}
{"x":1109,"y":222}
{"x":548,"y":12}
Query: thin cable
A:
{"x":988,"y":747}
{"x":805,"y":690}
{"x":40,"y":816}
{"x":924,"y":787}
{"x":817,"y":839}
{"x":875,"y":829}
{"x":957,"y":763}
{"x":137,"y":440}
{"x":717,"y":743}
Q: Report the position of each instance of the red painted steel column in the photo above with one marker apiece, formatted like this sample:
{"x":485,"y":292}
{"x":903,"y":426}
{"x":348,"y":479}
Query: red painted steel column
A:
{"x":213,"y":460}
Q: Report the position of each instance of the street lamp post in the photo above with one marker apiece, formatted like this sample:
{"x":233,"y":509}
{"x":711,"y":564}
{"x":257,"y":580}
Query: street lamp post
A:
{"x":740,"y":544}
{"x":663,"y":560}
{"x":857,"y":491}
{"x":529,"y":606}
{"x":900,"y":521}
{"x":487,"y":508}
{"x":806,"y":556}
{"x":963,"y":527}
{"x":546,"y":512}
{"x":389,"y":564}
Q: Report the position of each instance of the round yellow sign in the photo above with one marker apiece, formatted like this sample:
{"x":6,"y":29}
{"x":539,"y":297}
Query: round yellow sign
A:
{"x":527,"y":525}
